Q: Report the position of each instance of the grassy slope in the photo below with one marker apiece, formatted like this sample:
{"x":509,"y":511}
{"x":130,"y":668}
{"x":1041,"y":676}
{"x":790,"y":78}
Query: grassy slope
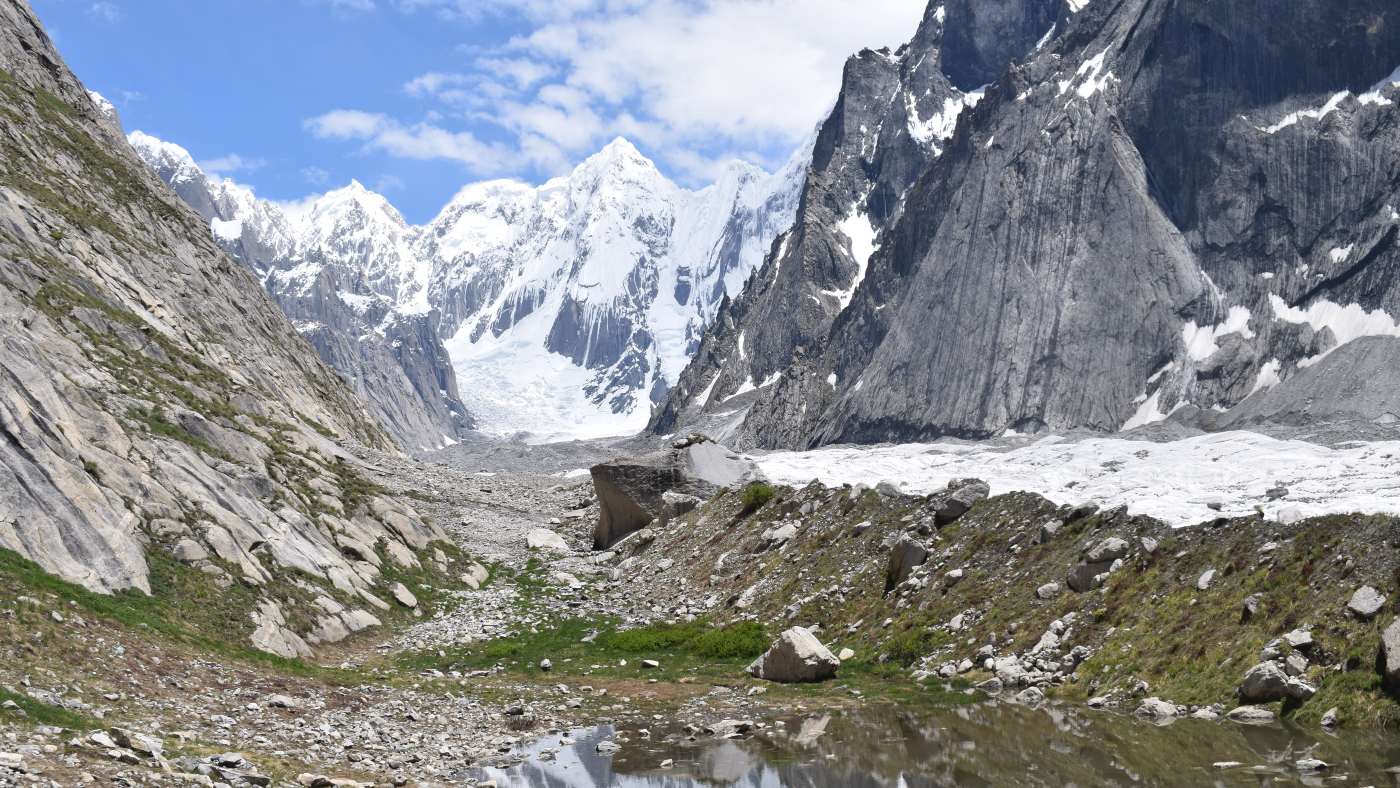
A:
{"x":1149,"y":622}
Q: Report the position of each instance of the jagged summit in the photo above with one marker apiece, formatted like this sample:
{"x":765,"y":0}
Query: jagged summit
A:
{"x":569,"y":306}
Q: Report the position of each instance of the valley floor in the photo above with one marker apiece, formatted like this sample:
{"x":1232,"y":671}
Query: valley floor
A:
{"x":94,"y":688}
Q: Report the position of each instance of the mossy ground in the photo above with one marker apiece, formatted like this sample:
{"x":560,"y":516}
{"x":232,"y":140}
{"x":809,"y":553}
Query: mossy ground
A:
{"x":1149,"y":622}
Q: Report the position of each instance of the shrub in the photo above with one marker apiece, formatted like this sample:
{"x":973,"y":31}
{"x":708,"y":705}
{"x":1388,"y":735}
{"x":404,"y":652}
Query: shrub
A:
{"x":756,"y":495}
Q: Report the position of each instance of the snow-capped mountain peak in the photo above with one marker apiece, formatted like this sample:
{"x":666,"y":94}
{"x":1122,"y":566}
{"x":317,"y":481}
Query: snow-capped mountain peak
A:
{"x":566,"y":308}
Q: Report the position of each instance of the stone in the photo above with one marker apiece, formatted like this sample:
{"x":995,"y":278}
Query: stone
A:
{"x":282,"y":702}
{"x":1048,"y":591}
{"x":991,"y":686}
{"x":845,"y":654}
{"x":962,"y":495}
{"x":1300,"y":639}
{"x":1250,"y":608}
{"x":1331,"y":718}
{"x":403,"y":596}
{"x":631,"y":491}
{"x":545,"y":539}
{"x":546,"y":665}
{"x":1267,"y":682}
{"x":729,"y":729}
{"x":1311,"y":765}
{"x":675,"y":504}
{"x":1365,"y":603}
{"x":1204,"y":582}
{"x":906,"y":555}
{"x":1250,"y":715}
{"x":1081,"y":577}
{"x":1030,"y":696}
{"x":1048,"y":530}
{"x":1106,"y":551}
{"x":139,"y":743}
{"x":796,"y":656}
{"x":188,"y":551}
{"x":475,"y":576}
{"x":1388,"y":660}
{"x":1295,"y":664}
{"x":650,"y":664}
{"x":271,"y":633}
{"x":1157,"y":709}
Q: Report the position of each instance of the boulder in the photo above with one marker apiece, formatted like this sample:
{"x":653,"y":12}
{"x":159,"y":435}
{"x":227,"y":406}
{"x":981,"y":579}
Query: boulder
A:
{"x":1081,"y":576}
{"x":403,"y":596}
{"x":1267,"y":682}
{"x":1204,"y":582}
{"x":632,"y":491}
{"x":1158,"y":709}
{"x":961,"y":496}
{"x":1048,"y":591}
{"x":476,"y":575}
{"x":545,"y":539}
{"x":1388,"y":659}
{"x":906,"y":555}
{"x":1250,"y":715}
{"x":796,"y":656}
{"x":1250,"y":608}
{"x":1106,"y":551}
{"x":1366,"y":603}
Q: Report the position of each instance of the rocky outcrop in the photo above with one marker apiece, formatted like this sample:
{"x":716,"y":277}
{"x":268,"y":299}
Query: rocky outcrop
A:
{"x":1076,"y":257}
{"x":1388,"y":658}
{"x":632,"y":492}
{"x":894,"y":114}
{"x":796,"y":656}
{"x":152,"y":397}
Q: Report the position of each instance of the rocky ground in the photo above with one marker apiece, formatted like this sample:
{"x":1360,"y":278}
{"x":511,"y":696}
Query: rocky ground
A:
{"x":921,"y":597}
{"x":91,"y":697}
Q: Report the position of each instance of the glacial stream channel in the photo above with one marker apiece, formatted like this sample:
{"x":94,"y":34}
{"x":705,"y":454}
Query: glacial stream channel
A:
{"x":989,"y":744}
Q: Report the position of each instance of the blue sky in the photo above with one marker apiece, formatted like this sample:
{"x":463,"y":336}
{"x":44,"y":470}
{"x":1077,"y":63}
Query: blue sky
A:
{"x":416,"y":98}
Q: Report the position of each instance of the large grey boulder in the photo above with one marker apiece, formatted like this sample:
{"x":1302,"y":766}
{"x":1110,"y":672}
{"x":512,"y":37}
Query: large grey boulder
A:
{"x":1388,"y":660}
{"x":962,"y":495}
{"x":796,"y":656}
{"x":1366,"y":603}
{"x":632,"y":492}
{"x":906,"y":555}
{"x":1267,"y":682}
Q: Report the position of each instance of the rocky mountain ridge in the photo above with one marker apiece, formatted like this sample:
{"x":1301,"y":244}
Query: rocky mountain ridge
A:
{"x":564,"y":310}
{"x":1079,"y":257}
{"x":161,"y":417}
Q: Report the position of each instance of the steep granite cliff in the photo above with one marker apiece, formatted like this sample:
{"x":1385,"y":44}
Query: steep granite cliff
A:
{"x":153,"y":400}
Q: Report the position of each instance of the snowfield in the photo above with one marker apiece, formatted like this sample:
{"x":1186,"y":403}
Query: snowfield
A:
{"x":1172,"y":481}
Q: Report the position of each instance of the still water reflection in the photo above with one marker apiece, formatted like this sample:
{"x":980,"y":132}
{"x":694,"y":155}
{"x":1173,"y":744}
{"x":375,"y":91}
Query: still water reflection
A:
{"x":989,"y":744}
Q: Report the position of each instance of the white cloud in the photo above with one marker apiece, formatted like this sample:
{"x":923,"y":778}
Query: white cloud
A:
{"x":227,"y":165}
{"x":691,"y":80}
{"x":316,"y":176}
{"x":105,"y":11}
{"x":352,"y":6}
{"x":416,"y":141}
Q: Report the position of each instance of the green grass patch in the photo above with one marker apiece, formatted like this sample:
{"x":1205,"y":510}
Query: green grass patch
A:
{"x":694,"y":646}
{"x":756,"y":495}
{"x":36,"y":713}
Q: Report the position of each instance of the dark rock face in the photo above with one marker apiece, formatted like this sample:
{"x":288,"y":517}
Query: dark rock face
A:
{"x":1166,"y":206}
{"x":632,"y":492}
{"x":852,"y":186}
{"x":983,"y":36}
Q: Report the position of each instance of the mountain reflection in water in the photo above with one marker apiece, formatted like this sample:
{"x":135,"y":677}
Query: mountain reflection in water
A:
{"x":989,"y":744}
